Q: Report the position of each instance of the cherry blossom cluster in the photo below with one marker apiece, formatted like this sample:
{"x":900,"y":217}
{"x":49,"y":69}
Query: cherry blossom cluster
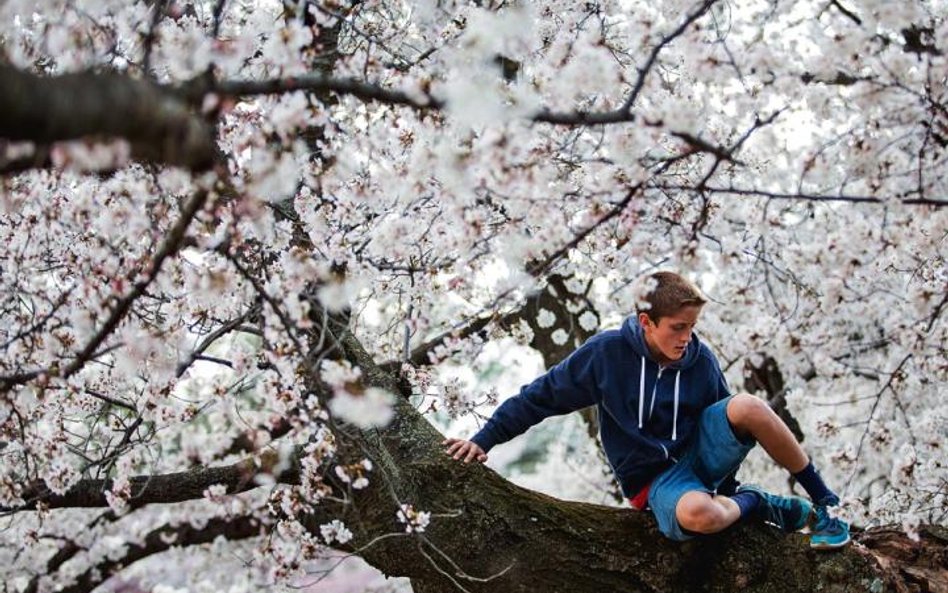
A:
{"x":415,"y":521}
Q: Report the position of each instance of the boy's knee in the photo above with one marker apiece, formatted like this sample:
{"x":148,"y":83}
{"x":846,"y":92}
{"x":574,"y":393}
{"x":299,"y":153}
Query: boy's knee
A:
{"x":696,"y":512}
{"x":743,"y":410}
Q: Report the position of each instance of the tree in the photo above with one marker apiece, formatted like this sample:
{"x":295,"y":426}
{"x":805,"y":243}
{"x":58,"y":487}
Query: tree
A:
{"x":243,"y":240}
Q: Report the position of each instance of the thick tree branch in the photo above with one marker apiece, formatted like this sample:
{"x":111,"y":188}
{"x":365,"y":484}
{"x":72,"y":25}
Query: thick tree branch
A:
{"x":155,"y":121}
{"x":320,"y":83}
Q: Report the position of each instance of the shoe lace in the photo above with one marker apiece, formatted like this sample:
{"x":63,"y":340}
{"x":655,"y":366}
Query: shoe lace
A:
{"x":824,"y":521}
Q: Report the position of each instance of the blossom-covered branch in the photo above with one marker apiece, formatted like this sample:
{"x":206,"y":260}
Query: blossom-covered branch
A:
{"x":172,"y":243}
{"x":160,"y":540}
{"x":162,"y":488}
{"x":809,"y":197}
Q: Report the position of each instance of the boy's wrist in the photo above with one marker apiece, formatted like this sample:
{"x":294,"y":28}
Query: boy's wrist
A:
{"x":483,"y":441}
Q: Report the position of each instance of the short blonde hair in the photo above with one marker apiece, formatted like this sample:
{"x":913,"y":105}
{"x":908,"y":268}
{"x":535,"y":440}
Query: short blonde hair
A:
{"x":669,"y":293}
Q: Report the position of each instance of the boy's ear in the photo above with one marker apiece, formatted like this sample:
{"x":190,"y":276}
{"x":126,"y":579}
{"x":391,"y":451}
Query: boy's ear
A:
{"x":644,"y":320}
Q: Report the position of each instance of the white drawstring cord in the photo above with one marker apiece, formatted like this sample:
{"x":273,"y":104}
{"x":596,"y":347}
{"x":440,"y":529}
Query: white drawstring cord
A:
{"x":642,"y":392}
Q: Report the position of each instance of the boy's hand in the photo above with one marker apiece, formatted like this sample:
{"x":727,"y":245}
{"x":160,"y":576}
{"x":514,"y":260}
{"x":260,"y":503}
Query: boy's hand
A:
{"x":466,"y":450}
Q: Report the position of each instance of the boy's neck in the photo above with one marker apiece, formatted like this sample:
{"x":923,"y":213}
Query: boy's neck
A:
{"x":656,"y":354}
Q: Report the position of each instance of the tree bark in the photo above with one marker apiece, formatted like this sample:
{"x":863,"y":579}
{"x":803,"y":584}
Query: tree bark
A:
{"x":158,"y":125}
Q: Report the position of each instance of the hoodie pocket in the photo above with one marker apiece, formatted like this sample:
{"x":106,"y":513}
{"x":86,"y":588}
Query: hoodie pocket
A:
{"x":638,"y":461}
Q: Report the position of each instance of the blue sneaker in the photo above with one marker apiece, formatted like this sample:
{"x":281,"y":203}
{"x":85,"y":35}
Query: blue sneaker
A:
{"x":789,"y":513}
{"x":828,"y":533}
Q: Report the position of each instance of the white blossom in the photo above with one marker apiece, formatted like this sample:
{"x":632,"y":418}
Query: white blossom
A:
{"x":369,"y":408}
{"x":560,"y":337}
{"x":335,"y":531}
{"x":415,"y":521}
{"x":546,"y":318}
{"x":588,"y":321}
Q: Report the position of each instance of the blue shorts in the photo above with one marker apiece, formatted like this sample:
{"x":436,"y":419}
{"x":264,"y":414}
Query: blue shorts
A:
{"x":711,"y":457}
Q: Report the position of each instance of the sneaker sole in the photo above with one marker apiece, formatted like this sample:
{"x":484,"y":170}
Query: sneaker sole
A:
{"x":824,"y":546}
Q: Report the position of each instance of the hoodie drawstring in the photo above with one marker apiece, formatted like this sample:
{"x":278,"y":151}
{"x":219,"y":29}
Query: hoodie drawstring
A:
{"x":641,"y":391}
{"x":674,"y":435}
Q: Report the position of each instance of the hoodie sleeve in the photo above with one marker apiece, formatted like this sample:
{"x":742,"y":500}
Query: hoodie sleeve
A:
{"x":568,"y":386}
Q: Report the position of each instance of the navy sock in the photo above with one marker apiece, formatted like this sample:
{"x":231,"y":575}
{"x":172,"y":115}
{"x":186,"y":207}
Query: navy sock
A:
{"x":813,"y":483}
{"x":747,"y":502}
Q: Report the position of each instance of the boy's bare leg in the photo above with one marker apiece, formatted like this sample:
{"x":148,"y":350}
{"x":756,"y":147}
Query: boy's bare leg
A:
{"x":701,"y":512}
{"x":751,"y":416}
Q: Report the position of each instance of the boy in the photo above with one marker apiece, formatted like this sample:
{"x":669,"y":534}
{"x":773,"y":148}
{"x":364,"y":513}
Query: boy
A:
{"x":670,"y":427}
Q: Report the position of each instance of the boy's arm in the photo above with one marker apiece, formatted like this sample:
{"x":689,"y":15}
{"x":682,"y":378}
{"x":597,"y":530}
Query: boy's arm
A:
{"x":568,"y":386}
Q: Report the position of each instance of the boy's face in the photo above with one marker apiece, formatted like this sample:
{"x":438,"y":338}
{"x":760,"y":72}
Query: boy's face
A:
{"x":668,"y":339}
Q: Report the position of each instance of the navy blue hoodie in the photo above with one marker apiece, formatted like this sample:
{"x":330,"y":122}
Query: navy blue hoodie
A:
{"x":647,"y":413}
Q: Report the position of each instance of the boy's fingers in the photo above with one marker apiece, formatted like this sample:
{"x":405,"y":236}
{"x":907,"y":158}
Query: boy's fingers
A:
{"x":476,"y":453}
{"x":465,"y":451}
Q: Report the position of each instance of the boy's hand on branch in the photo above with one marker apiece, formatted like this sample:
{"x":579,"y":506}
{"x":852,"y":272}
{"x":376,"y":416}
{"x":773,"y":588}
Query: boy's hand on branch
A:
{"x":464,"y":450}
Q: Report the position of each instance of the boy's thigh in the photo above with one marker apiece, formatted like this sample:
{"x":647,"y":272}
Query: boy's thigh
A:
{"x":717,"y":451}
